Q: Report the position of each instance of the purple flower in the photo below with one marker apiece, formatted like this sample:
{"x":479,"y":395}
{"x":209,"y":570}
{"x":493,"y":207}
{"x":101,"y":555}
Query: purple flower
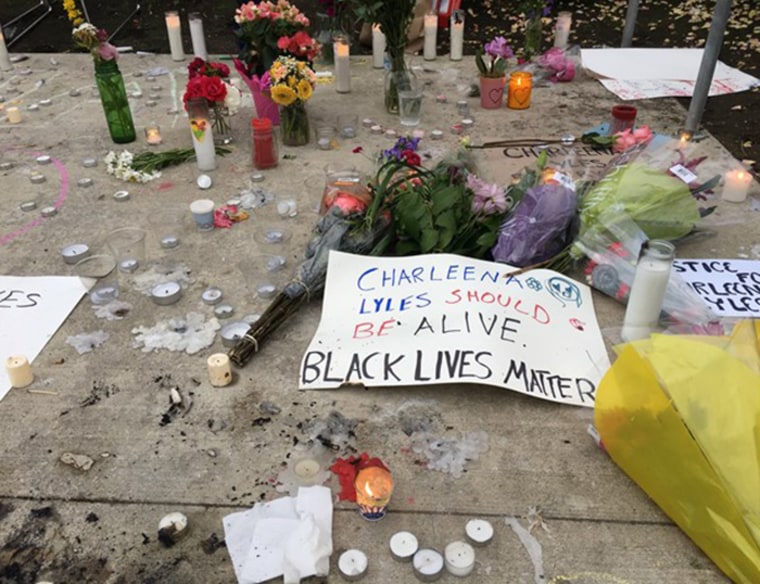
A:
{"x":498,"y":47}
{"x":402,"y":144}
{"x":488,"y":199}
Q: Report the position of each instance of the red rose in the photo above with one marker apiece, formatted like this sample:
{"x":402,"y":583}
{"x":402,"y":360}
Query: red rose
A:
{"x":213,"y":88}
{"x":411,"y":157}
{"x":220,"y":69}
{"x":196,"y":67}
{"x":194,"y":89}
{"x":283,"y":43}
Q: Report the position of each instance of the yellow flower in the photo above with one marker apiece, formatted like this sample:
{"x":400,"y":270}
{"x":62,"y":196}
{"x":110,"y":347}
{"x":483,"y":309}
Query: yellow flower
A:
{"x":73,"y":13}
{"x":292,"y":81}
{"x":277,"y":71}
{"x":283,"y":95}
{"x":304,"y":90}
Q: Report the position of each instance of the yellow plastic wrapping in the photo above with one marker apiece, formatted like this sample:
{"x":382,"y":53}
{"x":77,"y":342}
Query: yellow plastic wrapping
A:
{"x":681,"y":416}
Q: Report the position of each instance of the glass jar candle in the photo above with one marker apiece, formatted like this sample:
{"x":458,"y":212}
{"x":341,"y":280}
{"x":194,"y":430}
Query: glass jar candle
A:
{"x":519,"y":90}
{"x":623,"y":118}
{"x":264,"y":144}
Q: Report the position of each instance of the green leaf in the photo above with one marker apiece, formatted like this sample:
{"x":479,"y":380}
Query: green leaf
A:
{"x":446,"y":198}
{"x":428,"y":240}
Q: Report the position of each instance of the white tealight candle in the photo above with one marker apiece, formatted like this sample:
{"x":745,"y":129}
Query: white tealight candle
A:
{"x":378,"y":47}
{"x":5,"y":60}
{"x":211,"y":296}
{"x":19,"y":371}
{"x":431,"y":36}
{"x":478,"y":531}
{"x":456,"y":35}
{"x":352,"y":565}
{"x":175,"y":35}
{"x":13,"y":115}
{"x":736,"y":185}
{"x":219,"y":370}
{"x":166,"y":293}
{"x":342,"y":65}
{"x":73,"y":253}
{"x":459,"y":558}
{"x":562,"y":29}
{"x":308,"y":472}
{"x":197,"y":36}
{"x":231,"y":333}
{"x":403,"y":546}
{"x":427,"y":564}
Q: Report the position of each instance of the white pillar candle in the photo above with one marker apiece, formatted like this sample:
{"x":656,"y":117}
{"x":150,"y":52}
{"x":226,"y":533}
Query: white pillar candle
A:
{"x":736,"y":186}
{"x":456,"y":35}
{"x":175,"y":35}
{"x":478,"y":531}
{"x":19,"y":371}
{"x":378,"y":47}
{"x":403,"y":546}
{"x":562,"y":29}
{"x":342,"y":65}
{"x":5,"y":60}
{"x":459,"y":558}
{"x":431,"y":36}
{"x":13,"y":114}
{"x":352,"y":565}
{"x":427,"y":564}
{"x":203,"y":143}
{"x":650,"y":282}
{"x":219,"y":370}
{"x":197,"y":36}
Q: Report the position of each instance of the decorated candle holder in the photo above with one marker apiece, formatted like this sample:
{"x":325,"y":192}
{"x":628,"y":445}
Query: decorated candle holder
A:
{"x":374,"y":486}
{"x":520,"y":87}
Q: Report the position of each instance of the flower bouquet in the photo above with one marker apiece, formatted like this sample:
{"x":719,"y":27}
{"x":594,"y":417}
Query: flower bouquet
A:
{"x":534,"y":11}
{"x":292,"y":85}
{"x":493,"y":71}
{"x":207,"y":80}
{"x":108,"y":78}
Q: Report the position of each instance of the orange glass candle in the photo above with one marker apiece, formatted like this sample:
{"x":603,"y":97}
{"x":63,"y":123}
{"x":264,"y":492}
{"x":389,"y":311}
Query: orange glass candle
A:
{"x":520,"y":86}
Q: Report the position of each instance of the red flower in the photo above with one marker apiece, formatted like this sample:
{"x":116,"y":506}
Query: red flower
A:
{"x":411,"y":157}
{"x":213,"y":88}
{"x":196,"y":67}
{"x":283,"y":43}
{"x":220,"y":69}
{"x":358,"y":150}
{"x":194,"y":89}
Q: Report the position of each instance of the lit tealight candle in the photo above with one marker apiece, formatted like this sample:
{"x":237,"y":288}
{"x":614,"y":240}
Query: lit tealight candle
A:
{"x":736,"y":185}
{"x":478,"y":531}
{"x":153,"y":135}
{"x":459,"y":558}
{"x":403,"y":546}
{"x":13,"y":115}
{"x":562,"y":29}
{"x":374,"y":486}
{"x":520,"y":86}
{"x":19,"y":371}
{"x":219,"y":370}
{"x":352,"y":565}
{"x":378,"y":47}
{"x":427,"y":564}
{"x":342,"y":65}
{"x":431,"y":36}
{"x":175,"y":35}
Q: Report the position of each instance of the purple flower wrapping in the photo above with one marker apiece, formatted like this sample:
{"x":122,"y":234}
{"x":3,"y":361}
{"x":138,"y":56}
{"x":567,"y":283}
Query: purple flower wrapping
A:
{"x":537,"y":230}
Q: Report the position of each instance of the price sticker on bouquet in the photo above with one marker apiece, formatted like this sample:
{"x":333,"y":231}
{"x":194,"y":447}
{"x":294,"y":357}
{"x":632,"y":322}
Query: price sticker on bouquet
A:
{"x":683,"y":173}
{"x":442,"y":318}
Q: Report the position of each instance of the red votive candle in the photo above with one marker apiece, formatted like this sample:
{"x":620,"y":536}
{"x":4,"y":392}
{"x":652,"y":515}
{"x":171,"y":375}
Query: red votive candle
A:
{"x":264,"y":144}
{"x":623,"y":118}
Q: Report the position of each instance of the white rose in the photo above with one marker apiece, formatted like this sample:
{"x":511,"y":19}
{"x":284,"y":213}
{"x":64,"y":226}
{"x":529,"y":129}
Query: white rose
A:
{"x":233,"y":100}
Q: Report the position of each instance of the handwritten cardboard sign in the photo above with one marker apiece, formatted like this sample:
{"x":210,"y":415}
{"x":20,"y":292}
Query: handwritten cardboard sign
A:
{"x":445,"y":318}
{"x":31,"y":311}
{"x":729,"y":287}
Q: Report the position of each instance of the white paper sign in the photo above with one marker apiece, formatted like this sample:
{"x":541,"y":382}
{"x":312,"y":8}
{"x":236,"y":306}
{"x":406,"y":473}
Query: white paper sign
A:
{"x":31,"y":311}
{"x":729,"y":287}
{"x":444,"y":318}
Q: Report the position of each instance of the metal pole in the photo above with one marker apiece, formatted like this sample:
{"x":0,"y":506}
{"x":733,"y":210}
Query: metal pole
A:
{"x":630,"y":22}
{"x":707,"y":66}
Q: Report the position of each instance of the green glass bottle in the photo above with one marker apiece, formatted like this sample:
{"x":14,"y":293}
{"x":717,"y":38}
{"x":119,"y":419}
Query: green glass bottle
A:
{"x":113,"y":96}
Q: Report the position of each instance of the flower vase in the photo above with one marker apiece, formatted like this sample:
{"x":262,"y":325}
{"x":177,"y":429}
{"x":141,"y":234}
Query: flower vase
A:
{"x":492,"y":92}
{"x":294,"y":124}
{"x":113,"y":96}
{"x":220,"y":124}
{"x":397,"y":79}
{"x":324,"y":36}
{"x":533,"y":37}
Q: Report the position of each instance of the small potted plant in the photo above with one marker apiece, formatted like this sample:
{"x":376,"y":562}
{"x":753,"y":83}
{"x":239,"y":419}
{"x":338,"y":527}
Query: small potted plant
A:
{"x":492,"y":62}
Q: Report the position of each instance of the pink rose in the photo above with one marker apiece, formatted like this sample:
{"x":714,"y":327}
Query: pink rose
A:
{"x":642,"y":134}
{"x":107,"y":51}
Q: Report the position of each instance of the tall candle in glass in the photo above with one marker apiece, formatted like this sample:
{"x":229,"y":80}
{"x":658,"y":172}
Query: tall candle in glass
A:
{"x":562,"y":29}
{"x":456,"y":35}
{"x":197,"y":36}
{"x":431,"y":36}
{"x":519,"y":90}
{"x":175,"y":35}
{"x":5,"y":60}
{"x":378,"y":47}
{"x":648,"y":290}
{"x":203,"y":139}
{"x":342,"y":64}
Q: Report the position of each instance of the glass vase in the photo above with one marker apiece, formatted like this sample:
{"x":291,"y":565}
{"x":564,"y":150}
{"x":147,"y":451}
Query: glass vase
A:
{"x":113,"y":96}
{"x":533,"y":37}
{"x":220,"y":124}
{"x":325,"y":30}
{"x":398,"y":78}
{"x":294,"y":124}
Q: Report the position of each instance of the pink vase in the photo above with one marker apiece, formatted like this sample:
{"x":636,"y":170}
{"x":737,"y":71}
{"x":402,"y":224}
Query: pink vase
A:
{"x":492,"y":92}
{"x":262,"y":100}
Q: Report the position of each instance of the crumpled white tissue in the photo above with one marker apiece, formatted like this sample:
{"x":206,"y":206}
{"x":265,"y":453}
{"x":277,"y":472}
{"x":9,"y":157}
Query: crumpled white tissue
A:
{"x":289,"y":537}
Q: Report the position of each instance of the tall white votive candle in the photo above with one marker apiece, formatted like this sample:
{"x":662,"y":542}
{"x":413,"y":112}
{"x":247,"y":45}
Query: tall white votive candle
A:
{"x":203,"y":137}
{"x":342,"y":65}
{"x":648,"y":290}
{"x":456,"y":35}
{"x":378,"y":47}
{"x":562,"y":29}
{"x":736,"y":186}
{"x":431,"y":36}
{"x":219,"y":370}
{"x":19,"y":371}
{"x":174,"y":31}
{"x":5,"y":60}
{"x":196,"y":35}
